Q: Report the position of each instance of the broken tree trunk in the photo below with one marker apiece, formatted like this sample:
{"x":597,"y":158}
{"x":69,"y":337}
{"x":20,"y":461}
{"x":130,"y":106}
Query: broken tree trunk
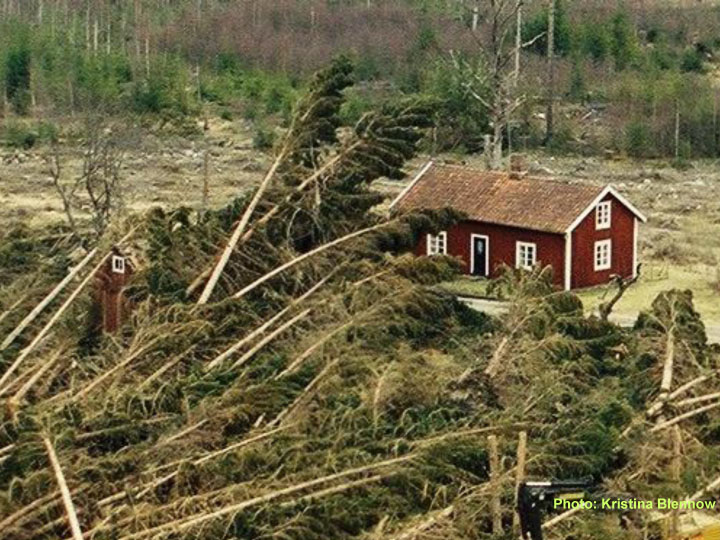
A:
{"x":305,"y":256}
{"x":184,"y":524}
{"x":64,"y":490}
{"x":520,"y":474}
{"x":260,"y":329}
{"x":245,"y":357}
{"x":623,"y":285}
{"x":45,"y":301}
{"x":310,"y":350}
{"x":685,"y":416}
{"x":27,"y":350}
{"x":309,"y":389}
{"x":240,"y":228}
{"x":495,"y":508}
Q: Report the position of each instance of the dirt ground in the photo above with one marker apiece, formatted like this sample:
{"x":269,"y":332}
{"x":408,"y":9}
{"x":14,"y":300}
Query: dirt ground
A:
{"x":680,"y":244}
{"x":166,"y":171}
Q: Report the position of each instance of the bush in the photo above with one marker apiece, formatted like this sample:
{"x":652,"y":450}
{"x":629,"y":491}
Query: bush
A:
{"x":17,"y":135}
{"x":637,"y":139}
{"x":596,"y":41}
{"x":691,"y":61}
{"x":623,"y":40}
{"x":17,"y":77}
{"x":264,"y":138}
{"x":578,"y":89}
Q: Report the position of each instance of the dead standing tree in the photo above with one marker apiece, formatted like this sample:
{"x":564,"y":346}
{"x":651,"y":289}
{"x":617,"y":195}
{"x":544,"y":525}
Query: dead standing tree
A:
{"x":100,"y":176}
{"x":98,"y":185}
{"x":492,"y":78}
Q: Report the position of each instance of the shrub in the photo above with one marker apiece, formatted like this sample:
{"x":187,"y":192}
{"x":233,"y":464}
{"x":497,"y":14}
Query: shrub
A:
{"x":578,"y":89}
{"x":264,"y":138}
{"x":18,"y":135}
{"x":691,"y":61}
{"x":623,"y":40}
{"x":637,"y":139}
{"x":17,"y":77}
{"x":596,"y":41}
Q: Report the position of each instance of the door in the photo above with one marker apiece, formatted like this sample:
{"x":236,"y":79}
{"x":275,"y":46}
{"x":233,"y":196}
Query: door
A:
{"x":479,"y":255}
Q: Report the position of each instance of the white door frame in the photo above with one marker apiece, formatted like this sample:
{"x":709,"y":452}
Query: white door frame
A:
{"x":487,"y":253}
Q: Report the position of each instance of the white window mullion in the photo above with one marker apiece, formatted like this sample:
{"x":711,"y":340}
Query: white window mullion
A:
{"x":603,"y":215}
{"x":437,"y":244}
{"x":602,"y":255}
{"x":525,"y":255}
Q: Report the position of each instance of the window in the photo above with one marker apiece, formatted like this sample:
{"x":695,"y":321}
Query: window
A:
{"x":603,"y":215}
{"x":603,"y":255}
{"x":437,"y":244}
{"x":118,"y":264}
{"x":525,"y":255}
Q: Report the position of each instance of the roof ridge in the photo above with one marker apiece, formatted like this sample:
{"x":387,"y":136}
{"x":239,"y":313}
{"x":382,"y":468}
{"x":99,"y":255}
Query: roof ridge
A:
{"x":506,"y":175}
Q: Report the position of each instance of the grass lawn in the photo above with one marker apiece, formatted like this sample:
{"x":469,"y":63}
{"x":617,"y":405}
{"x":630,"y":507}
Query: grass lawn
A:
{"x":641,"y":295}
{"x":637,"y":298}
{"x":467,"y":286}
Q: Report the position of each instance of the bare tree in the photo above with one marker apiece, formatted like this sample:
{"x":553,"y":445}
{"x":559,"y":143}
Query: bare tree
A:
{"x":491,"y":79}
{"x":549,"y":113}
{"x":98,"y":184}
{"x":66,"y":192}
{"x":100,"y":176}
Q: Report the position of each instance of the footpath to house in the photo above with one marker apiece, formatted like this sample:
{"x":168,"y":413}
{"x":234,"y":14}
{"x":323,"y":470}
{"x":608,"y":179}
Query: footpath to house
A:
{"x":496,"y":307}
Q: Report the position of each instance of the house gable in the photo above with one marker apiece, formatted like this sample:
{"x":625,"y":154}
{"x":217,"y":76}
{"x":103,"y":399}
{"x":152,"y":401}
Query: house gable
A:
{"x":586,"y":237}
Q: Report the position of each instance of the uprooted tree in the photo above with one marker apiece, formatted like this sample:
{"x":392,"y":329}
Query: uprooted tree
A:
{"x":329,"y":387}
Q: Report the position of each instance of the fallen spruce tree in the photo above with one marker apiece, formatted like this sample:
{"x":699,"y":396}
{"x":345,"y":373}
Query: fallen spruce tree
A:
{"x":289,"y":371}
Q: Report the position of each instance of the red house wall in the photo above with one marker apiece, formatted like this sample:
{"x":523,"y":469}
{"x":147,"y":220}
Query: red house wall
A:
{"x":621,"y":232}
{"x":550,"y":247}
{"x":109,"y":292}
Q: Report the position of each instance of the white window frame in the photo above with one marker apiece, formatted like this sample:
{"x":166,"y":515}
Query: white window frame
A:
{"x":600,"y":264}
{"x":118,"y":264}
{"x":520,"y":260}
{"x":603,"y":215}
{"x":434,"y":243}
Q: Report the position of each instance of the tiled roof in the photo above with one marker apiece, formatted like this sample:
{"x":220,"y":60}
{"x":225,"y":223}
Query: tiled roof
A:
{"x":493,"y":197}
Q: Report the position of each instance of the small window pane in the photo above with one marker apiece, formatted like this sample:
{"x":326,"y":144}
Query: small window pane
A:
{"x":526,"y":255}
{"x":437,"y":244}
{"x":603,"y":215}
{"x":603,"y":255}
{"x":118,"y":264}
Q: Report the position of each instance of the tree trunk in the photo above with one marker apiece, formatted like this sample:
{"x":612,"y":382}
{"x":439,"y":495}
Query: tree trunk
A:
{"x":45,"y":301}
{"x":518,"y":42}
{"x":549,"y":120}
{"x":62,"y":483}
{"x":677,"y":128}
{"x":519,"y":474}
{"x":495,"y":488}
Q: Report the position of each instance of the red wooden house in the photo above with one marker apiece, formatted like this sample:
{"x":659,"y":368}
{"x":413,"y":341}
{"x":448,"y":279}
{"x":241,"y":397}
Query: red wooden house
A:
{"x":109,"y":284}
{"x":585,"y":232}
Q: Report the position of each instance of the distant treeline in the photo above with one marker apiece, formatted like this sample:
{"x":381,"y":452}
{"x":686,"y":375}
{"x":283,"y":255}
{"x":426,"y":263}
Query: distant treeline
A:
{"x":646,"y":62}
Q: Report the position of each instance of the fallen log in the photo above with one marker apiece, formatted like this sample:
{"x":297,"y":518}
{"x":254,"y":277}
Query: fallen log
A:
{"x":189,"y":522}
{"x":68,"y":302}
{"x":64,"y":490}
{"x":45,"y":301}
{"x":305,"y":256}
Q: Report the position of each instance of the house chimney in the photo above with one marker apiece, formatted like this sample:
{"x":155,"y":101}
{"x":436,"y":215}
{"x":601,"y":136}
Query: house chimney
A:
{"x":518,"y":166}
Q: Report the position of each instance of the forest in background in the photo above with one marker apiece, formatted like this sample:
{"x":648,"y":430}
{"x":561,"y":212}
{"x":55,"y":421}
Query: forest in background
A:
{"x":634,"y":77}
